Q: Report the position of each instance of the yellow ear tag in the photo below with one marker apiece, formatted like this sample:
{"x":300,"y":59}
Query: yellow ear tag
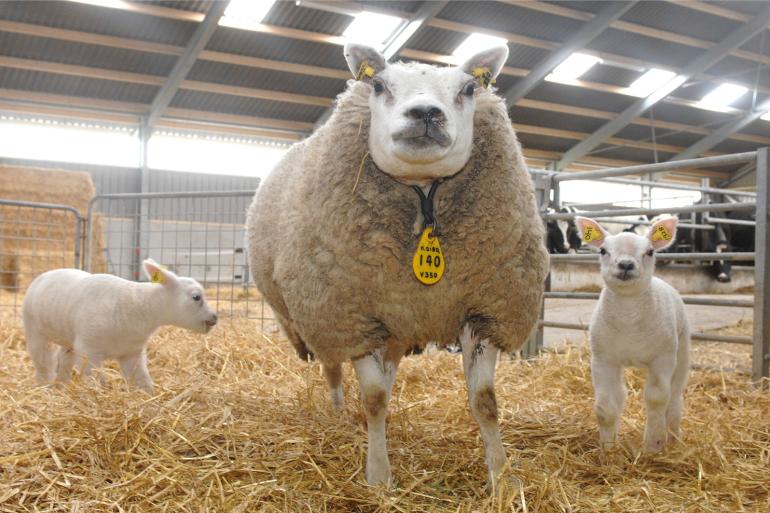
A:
{"x":661,"y":233}
{"x":428,"y":261}
{"x":158,"y":277}
{"x":365,"y":71}
{"x":591,"y":233}
{"x":484,"y":75}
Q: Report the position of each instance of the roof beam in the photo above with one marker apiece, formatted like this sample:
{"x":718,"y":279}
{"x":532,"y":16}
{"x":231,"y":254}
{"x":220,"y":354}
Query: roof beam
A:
{"x":722,"y":133}
{"x":610,"y":12}
{"x":702,"y":63}
{"x":200,"y":37}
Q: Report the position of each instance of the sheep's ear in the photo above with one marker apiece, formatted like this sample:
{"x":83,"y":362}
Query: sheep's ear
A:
{"x":486,"y":65}
{"x":591,"y":232}
{"x":157,"y":274}
{"x":663,"y":233}
{"x":364,"y":61}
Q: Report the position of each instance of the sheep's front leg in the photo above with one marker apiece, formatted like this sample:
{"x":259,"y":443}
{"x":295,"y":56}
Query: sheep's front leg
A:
{"x":610,"y":397}
{"x":479,"y":359}
{"x":375,"y":377}
{"x":333,"y":374}
{"x":134,"y":369}
{"x":657,"y":394}
{"x":66,"y":361}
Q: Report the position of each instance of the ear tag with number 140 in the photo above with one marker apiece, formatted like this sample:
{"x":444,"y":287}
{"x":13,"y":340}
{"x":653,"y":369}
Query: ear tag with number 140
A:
{"x":428,"y":261}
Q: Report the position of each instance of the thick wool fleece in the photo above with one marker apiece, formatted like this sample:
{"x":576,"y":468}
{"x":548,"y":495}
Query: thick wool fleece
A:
{"x":333,"y":255}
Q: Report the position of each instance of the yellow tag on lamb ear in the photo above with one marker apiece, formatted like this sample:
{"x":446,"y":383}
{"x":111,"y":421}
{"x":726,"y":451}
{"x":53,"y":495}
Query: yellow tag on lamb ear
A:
{"x":428,"y":262}
{"x":158,"y":277}
{"x":591,"y":233}
{"x":661,"y":233}
{"x":365,"y":71}
{"x":484,"y":75}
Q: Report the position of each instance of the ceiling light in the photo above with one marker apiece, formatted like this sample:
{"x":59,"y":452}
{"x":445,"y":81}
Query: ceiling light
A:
{"x":372,"y":28}
{"x":650,"y":81}
{"x":475,"y":43}
{"x":722,"y":96}
{"x":573,"y":67}
{"x":765,"y":116}
{"x":248,"y":10}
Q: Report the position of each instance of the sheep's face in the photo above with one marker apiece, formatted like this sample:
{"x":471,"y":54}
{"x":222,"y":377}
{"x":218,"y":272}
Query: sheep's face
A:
{"x":627,"y":259}
{"x":421,"y":116}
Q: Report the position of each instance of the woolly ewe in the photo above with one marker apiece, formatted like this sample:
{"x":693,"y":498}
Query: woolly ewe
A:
{"x":639,"y":321}
{"x":335,"y":235}
{"x":93,"y":317}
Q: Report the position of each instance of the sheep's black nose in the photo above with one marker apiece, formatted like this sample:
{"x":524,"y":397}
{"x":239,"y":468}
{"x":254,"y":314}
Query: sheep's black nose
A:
{"x":626,"y":266}
{"x":427,"y":113}
{"x":212,"y":321}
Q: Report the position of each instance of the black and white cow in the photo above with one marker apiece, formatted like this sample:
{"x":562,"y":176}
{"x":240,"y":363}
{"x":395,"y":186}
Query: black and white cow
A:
{"x":726,"y":238}
{"x":562,"y":236}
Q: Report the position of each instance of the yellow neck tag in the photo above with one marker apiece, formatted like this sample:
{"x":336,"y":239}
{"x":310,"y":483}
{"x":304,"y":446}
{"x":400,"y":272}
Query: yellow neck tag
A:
{"x":661,"y":233}
{"x":158,"y":277}
{"x":484,"y":75}
{"x":365,"y":71}
{"x":428,"y":261}
{"x":591,"y":233}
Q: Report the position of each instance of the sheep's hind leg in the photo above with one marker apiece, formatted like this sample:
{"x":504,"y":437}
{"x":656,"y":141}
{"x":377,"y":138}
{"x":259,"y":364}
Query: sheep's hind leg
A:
{"x":375,"y":377}
{"x":657,"y":394}
{"x":678,"y":385}
{"x":66,"y":361}
{"x":134,"y":369}
{"x":42,"y":355}
{"x":479,"y":359}
{"x":333,"y":375}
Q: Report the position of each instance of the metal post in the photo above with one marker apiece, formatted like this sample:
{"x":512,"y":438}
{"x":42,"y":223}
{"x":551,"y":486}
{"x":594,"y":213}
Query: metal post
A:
{"x":761,"y":352}
{"x":535,"y":342}
{"x":142,"y":220}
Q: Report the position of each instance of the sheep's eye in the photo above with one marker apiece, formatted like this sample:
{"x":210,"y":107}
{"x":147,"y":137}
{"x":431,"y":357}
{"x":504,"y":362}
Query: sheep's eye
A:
{"x":378,"y":87}
{"x":602,"y":251}
{"x":196,"y":297}
{"x":650,"y":252}
{"x":469,"y":89}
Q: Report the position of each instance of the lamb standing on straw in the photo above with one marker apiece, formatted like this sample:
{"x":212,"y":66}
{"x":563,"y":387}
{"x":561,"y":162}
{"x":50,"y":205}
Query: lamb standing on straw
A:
{"x":639,"y":321}
{"x":408,"y":217}
{"x":98,"y":316}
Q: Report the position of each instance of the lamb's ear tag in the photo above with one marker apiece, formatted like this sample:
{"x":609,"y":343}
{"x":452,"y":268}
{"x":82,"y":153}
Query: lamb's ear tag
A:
{"x":365,"y":71}
{"x":158,"y":277}
{"x":591,"y":233}
{"x":484,"y":76}
{"x":661,"y":233}
{"x":428,"y":262}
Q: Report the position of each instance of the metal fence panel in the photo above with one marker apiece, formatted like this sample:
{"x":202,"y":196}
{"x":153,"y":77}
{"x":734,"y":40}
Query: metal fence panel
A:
{"x":34,"y":238}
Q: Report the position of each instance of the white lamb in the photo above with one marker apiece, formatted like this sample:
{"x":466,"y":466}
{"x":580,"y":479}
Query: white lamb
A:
{"x":98,"y":316}
{"x":639,"y":321}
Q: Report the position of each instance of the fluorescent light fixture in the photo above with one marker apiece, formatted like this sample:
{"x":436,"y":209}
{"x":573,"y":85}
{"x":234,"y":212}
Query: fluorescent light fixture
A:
{"x":765,"y":116}
{"x":573,"y":67}
{"x":248,"y":10}
{"x":475,"y":43}
{"x":650,"y":81}
{"x":722,"y":96}
{"x":372,"y":28}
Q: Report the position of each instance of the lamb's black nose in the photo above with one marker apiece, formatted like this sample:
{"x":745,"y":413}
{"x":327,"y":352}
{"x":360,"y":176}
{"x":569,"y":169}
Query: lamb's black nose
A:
{"x":212,"y":321}
{"x":626,"y":266}
{"x":427,"y":113}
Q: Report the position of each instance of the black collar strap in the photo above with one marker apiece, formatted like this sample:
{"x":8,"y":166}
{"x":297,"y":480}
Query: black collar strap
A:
{"x":426,"y":206}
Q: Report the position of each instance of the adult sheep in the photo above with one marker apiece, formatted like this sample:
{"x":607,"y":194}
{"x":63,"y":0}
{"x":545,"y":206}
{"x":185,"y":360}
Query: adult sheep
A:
{"x":337,"y":229}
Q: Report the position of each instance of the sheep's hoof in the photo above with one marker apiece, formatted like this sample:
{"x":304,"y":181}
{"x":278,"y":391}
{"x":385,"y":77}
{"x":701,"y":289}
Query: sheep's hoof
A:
{"x":504,"y":483}
{"x":655,"y":444}
{"x":379,"y":476}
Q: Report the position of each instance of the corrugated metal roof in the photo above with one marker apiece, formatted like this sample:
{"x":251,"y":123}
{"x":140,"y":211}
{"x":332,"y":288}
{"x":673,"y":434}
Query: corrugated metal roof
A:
{"x":185,"y":5}
{"x":526,"y":116}
{"x":27,"y":80}
{"x":680,"y":20}
{"x":611,"y":75}
{"x":575,"y":96}
{"x":245,"y":106}
{"x":287,"y":14}
{"x":99,"y":20}
{"x":643,"y":47}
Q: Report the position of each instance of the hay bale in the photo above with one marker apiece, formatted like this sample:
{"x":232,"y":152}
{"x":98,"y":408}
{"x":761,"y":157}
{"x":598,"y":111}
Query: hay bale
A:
{"x":36,"y":240}
{"x":239,"y":425}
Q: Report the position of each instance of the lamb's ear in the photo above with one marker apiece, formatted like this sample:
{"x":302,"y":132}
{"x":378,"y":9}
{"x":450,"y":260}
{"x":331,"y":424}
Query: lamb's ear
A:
{"x":663,"y":233}
{"x":364,"y":61}
{"x":486,"y":65}
{"x":591,"y":232}
{"x":157,"y":274}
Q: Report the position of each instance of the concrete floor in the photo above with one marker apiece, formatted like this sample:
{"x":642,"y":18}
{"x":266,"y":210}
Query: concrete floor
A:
{"x":702,"y":318}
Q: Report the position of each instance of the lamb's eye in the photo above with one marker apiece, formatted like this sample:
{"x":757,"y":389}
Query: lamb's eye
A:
{"x":378,"y":87}
{"x":196,"y":297}
{"x":469,"y":89}
{"x":602,"y":251}
{"x":650,"y":252}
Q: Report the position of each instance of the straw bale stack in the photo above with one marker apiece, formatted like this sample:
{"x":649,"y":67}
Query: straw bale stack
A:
{"x":35,"y":240}
{"x":238,"y":425}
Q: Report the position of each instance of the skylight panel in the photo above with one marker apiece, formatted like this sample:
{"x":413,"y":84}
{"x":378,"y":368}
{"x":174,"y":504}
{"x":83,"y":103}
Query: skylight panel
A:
{"x":475,"y":43}
{"x":371,"y":28}
{"x":722,"y":96}
{"x":573,"y":67}
{"x":652,"y":80}
{"x":248,"y":10}
{"x":765,"y":116}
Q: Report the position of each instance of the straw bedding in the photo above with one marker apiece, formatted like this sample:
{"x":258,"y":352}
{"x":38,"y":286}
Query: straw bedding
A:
{"x":239,"y":424}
